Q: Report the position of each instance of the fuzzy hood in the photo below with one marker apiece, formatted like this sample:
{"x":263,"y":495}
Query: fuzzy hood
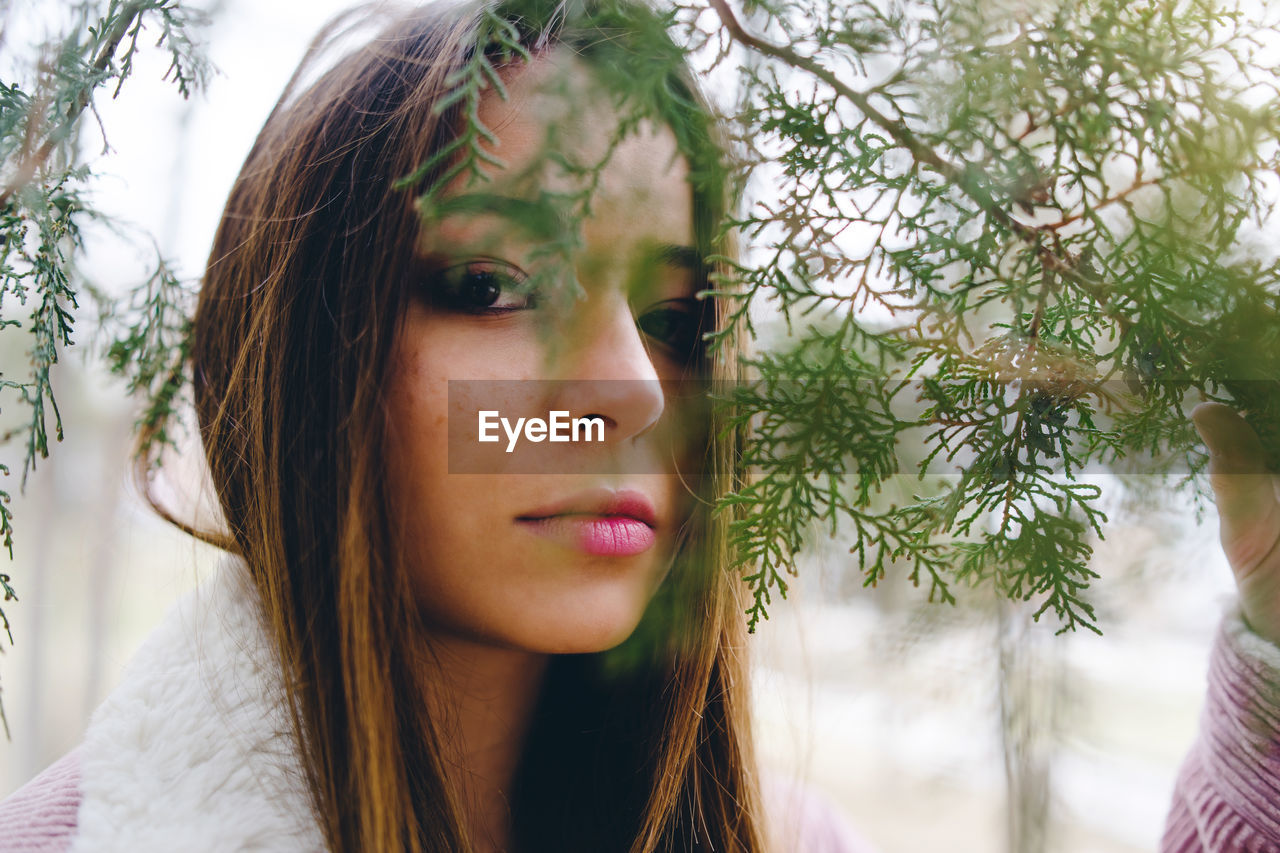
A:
{"x":194,"y":751}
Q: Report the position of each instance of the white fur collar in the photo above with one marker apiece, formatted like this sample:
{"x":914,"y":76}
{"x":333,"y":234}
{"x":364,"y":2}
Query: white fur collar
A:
{"x":192,"y":751}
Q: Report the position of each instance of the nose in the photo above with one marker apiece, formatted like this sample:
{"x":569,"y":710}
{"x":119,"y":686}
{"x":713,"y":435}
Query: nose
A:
{"x":607,"y":371}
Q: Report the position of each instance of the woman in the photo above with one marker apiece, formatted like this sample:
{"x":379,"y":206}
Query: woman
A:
{"x":401,"y":658}
{"x":425,"y":642}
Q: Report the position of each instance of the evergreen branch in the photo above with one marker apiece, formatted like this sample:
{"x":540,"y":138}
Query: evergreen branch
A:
{"x":968,"y":178}
{"x":962,"y":177}
{"x":1139,"y":290}
{"x":150,"y":350}
{"x":9,"y":595}
{"x":1139,"y":183}
{"x":31,"y":162}
{"x":41,"y":210}
{"x":6,"y":518}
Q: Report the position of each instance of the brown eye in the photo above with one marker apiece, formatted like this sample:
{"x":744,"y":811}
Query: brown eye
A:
{"x":676,"y":326}
{"x":482,"y":287}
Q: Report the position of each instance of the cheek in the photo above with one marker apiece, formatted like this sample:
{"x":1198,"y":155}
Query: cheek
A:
{"x":430,"y":351}
{"x":438,"y":519}
{"x":417,"y":436}
{"x":417,"y":418}
{"x":427,"y":506}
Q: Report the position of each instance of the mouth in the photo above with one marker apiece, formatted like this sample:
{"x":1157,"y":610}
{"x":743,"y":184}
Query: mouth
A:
{"x":599,"y":503}
{"x":599,"y":522}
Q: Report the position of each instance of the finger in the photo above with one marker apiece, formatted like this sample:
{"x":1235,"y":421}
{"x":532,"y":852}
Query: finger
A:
{"x":1243,"y":489}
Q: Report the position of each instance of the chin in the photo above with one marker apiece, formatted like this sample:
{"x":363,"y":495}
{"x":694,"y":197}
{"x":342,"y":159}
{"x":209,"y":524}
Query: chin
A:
{"x":597,"y":610}
{"x":578,"y":637}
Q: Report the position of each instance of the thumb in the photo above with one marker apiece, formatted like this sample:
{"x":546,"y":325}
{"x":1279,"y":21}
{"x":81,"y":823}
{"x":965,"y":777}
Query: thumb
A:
{"x":1243,"y":489}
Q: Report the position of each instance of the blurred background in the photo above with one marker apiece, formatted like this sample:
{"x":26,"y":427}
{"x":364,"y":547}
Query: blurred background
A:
{"x":916,"y":720}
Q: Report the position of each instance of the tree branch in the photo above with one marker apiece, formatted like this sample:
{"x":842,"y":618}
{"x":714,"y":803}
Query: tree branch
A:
{"x":962,"y":176}
{"x":33,"y":161}
{"x":965,"y":177}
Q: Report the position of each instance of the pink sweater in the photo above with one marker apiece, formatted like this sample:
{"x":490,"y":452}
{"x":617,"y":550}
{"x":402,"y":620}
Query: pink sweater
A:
{"x":1228,"y":793}
{"x":1227,"y":798}
{"x":40,"y":817}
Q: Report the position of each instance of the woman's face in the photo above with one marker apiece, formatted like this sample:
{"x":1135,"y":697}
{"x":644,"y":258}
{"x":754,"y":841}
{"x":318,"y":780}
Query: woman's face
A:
{"x":551,"y":547}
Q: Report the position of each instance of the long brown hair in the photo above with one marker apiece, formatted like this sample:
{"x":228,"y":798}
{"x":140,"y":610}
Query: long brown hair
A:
{"x":642,"y":749}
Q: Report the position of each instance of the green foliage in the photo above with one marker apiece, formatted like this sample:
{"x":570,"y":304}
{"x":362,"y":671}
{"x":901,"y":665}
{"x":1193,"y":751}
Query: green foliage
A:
{"x":43,"y":207}
{"x":150,"y":348}
{"x":498,"y":40}
{"x":1022,"y":204}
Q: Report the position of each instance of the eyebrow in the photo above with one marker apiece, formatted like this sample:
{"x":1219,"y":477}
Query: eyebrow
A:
{"x":671,"y":255}
{"x":539,"y":218}
{"x":684,"y":257}
{"x":545,"y":220}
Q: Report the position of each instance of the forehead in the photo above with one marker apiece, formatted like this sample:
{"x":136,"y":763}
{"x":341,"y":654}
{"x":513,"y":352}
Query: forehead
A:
{"x":558,"y":132}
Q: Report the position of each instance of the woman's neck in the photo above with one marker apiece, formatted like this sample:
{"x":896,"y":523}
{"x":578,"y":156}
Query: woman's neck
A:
{"x":484,"y":697}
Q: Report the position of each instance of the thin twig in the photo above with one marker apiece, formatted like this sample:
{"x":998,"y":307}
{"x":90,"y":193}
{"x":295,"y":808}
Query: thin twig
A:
{"x":964,"y":177}
{"x":959,"y":175}
{"x":32,"y":162}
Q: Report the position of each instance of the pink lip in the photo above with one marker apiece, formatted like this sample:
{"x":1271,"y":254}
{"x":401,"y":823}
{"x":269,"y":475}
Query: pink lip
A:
{"x":600,"y":522}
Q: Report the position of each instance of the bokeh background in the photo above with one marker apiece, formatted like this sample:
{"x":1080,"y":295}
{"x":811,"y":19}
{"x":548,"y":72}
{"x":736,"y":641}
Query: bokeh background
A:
{"x":911,"y":718}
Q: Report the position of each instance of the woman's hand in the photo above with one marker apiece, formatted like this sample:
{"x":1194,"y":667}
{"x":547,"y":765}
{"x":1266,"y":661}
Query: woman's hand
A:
{"x":1248,"y":499}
